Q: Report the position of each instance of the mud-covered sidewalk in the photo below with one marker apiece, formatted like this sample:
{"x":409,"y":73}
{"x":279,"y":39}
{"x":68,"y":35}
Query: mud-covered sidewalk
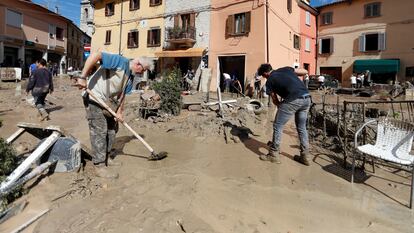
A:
{"x":205,"y":185}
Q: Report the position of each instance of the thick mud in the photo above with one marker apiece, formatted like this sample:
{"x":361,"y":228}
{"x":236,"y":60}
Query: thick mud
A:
{"x":205,"y":185}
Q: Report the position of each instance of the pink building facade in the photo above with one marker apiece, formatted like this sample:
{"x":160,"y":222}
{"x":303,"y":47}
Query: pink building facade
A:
{"x":308,"y":37}
{"x":245,"y":34}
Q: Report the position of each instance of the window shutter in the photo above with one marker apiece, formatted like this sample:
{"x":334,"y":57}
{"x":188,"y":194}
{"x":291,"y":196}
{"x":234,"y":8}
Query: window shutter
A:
{"x":307,"y":18}
{"x":320,"y":46}
{"x":149,"y":34}
{"x":106,"y":10}
{"x":230,"y":25}
{"x":381,"y":41}
{"x":192,"y":20}
{"x":362,"y":43}
{"x":248,"y":20}
{"x":307,"y":45}
{"x":331,"y":40}
{"x":176,"y":20}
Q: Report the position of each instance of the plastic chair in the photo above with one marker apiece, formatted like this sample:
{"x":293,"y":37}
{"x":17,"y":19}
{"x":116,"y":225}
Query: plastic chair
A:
{"x":393,"y":144}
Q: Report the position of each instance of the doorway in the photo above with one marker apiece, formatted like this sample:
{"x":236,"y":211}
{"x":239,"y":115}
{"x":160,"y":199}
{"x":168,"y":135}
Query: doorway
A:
{"x":235,"y":67}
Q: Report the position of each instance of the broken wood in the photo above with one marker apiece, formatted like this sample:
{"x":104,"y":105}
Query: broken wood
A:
{"x":15,"y":135}
{"x":23,"y":167}
{"x":223,"y":102}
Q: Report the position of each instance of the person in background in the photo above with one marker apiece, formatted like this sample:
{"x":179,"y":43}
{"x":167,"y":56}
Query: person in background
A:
{"x":40,"y":84}
{"x":353,"y":79}
{"x":227,"y":82}
{"x":33,"y":67}
{"x":321,"y":81}
{"x":306,"y":80}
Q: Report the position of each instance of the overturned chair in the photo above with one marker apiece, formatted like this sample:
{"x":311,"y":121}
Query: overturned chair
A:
{"x":393,"y":144}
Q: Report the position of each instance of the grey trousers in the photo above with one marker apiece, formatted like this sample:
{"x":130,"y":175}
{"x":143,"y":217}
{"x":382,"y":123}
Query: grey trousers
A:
{"x":102,"y":131}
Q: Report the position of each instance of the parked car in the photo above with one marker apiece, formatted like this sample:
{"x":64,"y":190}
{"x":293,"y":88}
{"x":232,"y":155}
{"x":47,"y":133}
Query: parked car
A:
{"x":330,"y":81}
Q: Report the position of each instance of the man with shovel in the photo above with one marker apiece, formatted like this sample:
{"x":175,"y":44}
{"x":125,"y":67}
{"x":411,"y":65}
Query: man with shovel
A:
{"x":112,"y":80}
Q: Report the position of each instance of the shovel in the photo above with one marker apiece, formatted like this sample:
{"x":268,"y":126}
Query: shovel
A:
{"x":154,"y":156}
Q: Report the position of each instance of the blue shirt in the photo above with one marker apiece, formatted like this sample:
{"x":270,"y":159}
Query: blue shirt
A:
{"x":115,"y":61}
{"x":285,"y":83}
{"x":33,"y":67}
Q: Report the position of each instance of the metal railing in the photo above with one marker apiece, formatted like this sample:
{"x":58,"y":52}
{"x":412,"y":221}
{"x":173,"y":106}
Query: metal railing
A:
{"x":179,"y":33}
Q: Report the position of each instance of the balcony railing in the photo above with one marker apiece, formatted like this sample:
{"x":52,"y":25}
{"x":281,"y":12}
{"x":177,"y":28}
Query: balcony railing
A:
{"x":179,"y":34}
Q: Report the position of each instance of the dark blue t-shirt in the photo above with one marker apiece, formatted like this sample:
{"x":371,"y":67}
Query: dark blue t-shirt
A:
{"x":285,"y":83}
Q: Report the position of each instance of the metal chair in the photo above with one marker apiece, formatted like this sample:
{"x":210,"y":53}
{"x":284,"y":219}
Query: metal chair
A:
{"x":393,"y":144}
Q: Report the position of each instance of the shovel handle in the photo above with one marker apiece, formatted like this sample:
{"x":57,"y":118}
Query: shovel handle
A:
{"x":104,"y":105}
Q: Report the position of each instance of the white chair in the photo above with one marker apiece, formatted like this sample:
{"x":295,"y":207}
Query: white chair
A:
{"x":393,"y":144}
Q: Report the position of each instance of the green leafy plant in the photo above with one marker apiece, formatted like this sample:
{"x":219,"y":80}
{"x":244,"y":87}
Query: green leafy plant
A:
{"x":8,"y":162}
{"x":169,"y":90}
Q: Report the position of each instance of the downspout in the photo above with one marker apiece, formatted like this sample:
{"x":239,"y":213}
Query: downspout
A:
{"x":120,"y":27}
{"x":317,"y":42}
{"x":267,"y":31}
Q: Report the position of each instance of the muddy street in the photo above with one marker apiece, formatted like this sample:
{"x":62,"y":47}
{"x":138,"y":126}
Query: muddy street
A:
{"x":204,"y":185}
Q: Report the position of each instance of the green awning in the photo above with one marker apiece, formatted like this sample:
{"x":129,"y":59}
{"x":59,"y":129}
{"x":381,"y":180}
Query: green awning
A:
{"x":377,"y":66}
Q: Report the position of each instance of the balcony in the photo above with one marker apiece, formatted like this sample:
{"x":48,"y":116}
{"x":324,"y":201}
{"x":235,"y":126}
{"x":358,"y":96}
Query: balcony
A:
{"x":184,"y":37}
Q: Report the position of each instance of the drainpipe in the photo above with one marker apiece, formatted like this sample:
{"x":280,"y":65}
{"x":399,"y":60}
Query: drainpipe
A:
{"x":267,"y":31}
{"x":120,"y":27}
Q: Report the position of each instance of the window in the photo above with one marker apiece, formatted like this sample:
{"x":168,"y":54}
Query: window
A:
{"x":307,"y":45}
{"x":109,"y":9}
{"x":86,"y":13}
{"x":14,"y":18}
{"x":326,"y":18}
{"x":372,"y":42}
{"x":59,"y":33}
{"x":108,"y":37}
{"x":326,"y":46}
{"x":133,"y":5}
{"x":133,"y":39}
{"x":373,"y":10}
{"x":154,"y":37}
{"x":73,"y":34}
{"x":409,"y":71}
{"x":289,"y":6}
{"x":308,"y":18}
{"x":296,"y":42}
{"x":155,"y":2}
{"x":238,"y":24}
{"x":185,"y":21}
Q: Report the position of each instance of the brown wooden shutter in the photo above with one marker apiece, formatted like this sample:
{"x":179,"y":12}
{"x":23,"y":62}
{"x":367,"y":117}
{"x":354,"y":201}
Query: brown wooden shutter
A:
{"x":192,"y":20}
{"x":248,"y":22}
{"x":176,"y":20}
{"x":149,"y":37}
{"x":230,"y":25}
{"x":106,"y":10}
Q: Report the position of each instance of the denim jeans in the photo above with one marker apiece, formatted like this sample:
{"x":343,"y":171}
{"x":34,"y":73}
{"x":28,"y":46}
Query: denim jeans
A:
{"x":299,"y":108}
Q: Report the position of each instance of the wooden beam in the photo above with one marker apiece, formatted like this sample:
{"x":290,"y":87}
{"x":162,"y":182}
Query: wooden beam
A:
{"x":15,"y":135}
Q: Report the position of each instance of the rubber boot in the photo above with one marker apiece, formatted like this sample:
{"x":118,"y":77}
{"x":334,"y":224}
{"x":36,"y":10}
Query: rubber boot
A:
{"x":102,"y":171}
{"x":304,"y":158}
{"x":272,"y":156}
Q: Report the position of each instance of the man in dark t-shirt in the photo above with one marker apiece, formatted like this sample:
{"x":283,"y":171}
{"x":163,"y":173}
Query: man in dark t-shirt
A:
{"x":295,"y":100}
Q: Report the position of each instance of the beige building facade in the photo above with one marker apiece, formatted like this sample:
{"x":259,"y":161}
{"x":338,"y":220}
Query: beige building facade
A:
{"x":140,"y":32}
{"x":245,"y":34}
{"x":30,"y":32}
{"x":360,"y":35}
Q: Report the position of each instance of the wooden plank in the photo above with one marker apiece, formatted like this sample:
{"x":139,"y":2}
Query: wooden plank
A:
{"x":23,"y":167}
{"x":15,"y":135}
{"x":223,"y":102}
{"x":32,"y":220}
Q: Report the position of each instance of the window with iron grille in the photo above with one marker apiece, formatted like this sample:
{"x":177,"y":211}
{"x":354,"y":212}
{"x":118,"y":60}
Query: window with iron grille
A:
{"x":155,"y":2}
{"x":154,"y":37}
{"x":133,"y":5}
{"x":326,"y":18}
{"x":109,"y":9}
{"x":373,"y":10}
{"x":108,"y":37}
{"x":132,"y":39}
